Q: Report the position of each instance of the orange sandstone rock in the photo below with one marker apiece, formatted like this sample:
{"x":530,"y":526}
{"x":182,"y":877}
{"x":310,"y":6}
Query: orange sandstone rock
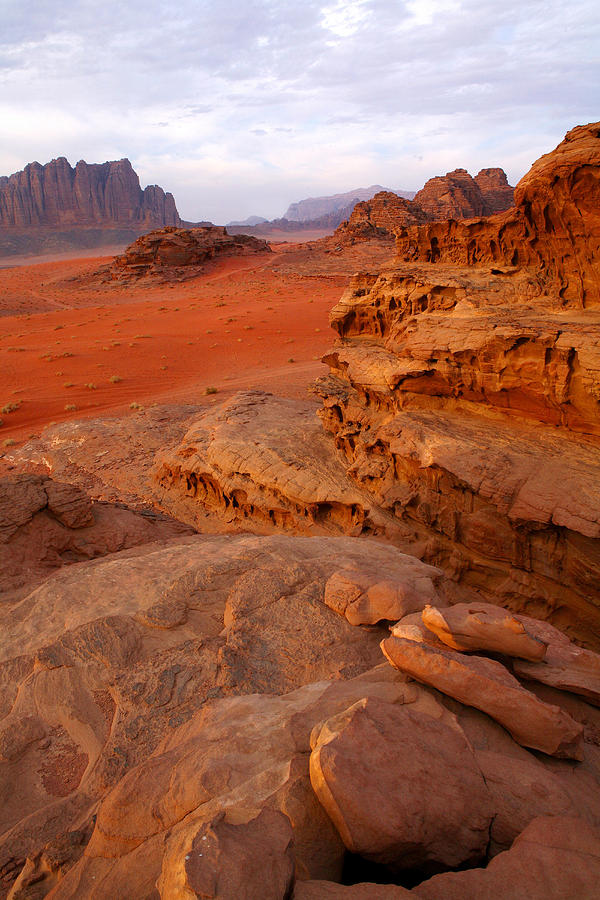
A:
{"x":401,"y":787}
{"x":472,"y":626}
{"x":488,"y":686}
{"x":554,"y":858}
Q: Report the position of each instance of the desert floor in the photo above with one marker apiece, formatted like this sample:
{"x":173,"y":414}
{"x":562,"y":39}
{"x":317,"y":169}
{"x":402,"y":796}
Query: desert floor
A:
{"x":72,"y":346}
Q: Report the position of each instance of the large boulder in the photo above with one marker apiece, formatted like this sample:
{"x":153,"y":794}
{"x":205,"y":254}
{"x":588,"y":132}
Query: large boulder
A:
{"x":553,"y":859}
{"x":401,"y":786}
{"x":488,"y":686}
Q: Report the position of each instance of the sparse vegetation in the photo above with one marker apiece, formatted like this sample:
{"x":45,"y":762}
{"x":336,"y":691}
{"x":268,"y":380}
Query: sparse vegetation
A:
{"x":11,"y":407}
{"x":135,"y":405}
{"x":91,"y":386}
{"x":115,"y":379}
{"x":70,"y":407}
{"x":69,"y":384}
{"x":9,"y":442}
{"x":211,"y":390}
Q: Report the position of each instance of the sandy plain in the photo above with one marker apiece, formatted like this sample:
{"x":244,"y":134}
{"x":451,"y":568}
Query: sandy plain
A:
{"x":72,"y":346}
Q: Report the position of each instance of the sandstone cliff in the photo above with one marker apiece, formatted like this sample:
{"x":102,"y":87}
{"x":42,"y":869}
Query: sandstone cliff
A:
{"x":57,"y":194}
{"x":553,"y":228}
{"x":453,"y":196}
{"x":464,"y":390}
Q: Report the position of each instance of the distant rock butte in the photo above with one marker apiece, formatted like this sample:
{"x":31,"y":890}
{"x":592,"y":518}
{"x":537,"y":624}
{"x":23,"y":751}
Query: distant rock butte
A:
{"x":315,"y":207}
{"x":178,"y":253}
{"x":57,"y":194}
{"x":453,"y":196}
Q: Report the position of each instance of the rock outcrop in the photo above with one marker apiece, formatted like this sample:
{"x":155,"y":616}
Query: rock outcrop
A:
{"x":46,"y":524}
{"x":553,"y":227}
{"x":453,"y":196}
{"x":179,"y":253}
{"x":59,"y":195}
{"x":457,"y":195}
{"x":465,"y":397}
{"x":379,"y":218}
{"x":210,"y":715}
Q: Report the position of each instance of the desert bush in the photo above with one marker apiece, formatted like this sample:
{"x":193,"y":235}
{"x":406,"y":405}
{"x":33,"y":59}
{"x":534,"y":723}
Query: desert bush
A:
{"x":211,"y":390}
{"x":11,"y":407}
{"x":115,"y":379}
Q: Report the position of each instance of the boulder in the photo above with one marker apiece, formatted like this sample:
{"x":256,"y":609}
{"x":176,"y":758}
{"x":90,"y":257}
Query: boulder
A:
{"x":236,"y":857}
{"x":369,"y":595}
{"x":553,"y":859}
{"x":565,"y":665}
{"x":487,"y":685}
{"x":402,"y":788}
{"x":481,"y":626}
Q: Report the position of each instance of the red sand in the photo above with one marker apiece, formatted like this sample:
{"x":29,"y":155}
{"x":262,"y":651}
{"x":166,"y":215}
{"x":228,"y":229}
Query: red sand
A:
{"x":259,"y":322}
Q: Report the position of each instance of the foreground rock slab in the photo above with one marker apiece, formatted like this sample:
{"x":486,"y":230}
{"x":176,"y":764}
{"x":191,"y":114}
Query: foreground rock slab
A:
{"x":472,"y":626}
{"x":263,"y":461}
{"x":553,"y":859}
{"x":487,"y":685}
{"x":420,"y":799}
{"x":134,"y":644}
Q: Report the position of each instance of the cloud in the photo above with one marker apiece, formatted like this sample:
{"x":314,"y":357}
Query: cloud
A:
{"x":240,"y":109}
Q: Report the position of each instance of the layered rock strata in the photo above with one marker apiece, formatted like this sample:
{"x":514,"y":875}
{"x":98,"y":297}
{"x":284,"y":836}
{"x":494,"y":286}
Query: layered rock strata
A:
{"x":465,"y":399}
{"x":178,"y":253}
{"x":59,"y":195}
{"x":552,"y":228}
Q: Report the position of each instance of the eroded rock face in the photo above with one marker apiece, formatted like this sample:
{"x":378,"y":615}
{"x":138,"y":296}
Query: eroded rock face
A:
{"x":89,"y":194}
{"x":553,"y":227}
{"x":263,"y":460}
{"x":457,"y":386}
{"x":179,"y":253}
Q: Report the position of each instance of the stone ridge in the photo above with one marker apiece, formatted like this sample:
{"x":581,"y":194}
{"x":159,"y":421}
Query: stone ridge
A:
{"x":57,"y":194}
{"x":553,"y":227}
{"x":464,"y":391}
{"x":455,"y":195}
{"x":178,"y":253}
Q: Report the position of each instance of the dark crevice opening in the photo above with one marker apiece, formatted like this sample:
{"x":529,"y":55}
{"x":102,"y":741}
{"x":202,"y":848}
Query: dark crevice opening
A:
{"x":358,"y":870}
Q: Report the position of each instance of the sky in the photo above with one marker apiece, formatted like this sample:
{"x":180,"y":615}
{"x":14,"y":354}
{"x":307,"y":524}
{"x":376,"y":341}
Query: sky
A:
{"x":240,"y":107}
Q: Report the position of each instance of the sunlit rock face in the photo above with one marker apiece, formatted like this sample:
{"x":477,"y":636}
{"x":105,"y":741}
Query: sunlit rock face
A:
{"x":554,"y":226}
{"x":464,"y":391}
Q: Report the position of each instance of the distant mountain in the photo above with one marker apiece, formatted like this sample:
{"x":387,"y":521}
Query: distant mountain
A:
{"x":316,"y":207}
{"x":90,"y":194}
{"x":56,"y":208}
{"x":251,"y":220}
